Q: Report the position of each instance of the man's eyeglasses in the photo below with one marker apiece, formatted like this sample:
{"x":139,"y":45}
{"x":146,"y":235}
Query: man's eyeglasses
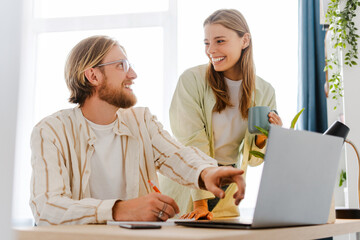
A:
{"x":122,"y":64}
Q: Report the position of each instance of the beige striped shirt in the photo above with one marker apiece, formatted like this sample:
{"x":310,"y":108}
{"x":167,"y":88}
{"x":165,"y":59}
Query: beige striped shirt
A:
{"x":62,"y":145}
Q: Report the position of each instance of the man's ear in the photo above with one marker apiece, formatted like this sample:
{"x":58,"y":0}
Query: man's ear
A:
{"x":246,"y":40}
{"x":93,"y":76}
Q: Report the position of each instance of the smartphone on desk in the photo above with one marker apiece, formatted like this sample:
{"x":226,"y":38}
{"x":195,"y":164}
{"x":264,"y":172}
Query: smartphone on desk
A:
{"x":139,"y":226}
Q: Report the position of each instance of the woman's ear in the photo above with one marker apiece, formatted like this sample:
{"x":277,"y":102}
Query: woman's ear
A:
{"x":92,"y":76}
{"x":246,"y":40}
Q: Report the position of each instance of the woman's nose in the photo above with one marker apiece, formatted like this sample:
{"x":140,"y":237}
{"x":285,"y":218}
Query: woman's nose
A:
{"x":210,"y":49}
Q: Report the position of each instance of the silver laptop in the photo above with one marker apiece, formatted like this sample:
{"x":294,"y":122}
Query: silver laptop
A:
{"x":297,"y":181}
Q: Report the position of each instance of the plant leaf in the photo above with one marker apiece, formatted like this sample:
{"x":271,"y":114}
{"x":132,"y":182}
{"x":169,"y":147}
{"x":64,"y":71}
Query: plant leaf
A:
{"x":341,"y":181}
{"x":263,"y":131}
{"x":257,"y":154}
{"x":342,"y":178}
{"x":293,"y":122}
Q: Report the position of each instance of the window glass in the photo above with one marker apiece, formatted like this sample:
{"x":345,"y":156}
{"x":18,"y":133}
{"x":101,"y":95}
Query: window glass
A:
{"x":144,"y":52}
{"x":71,"y":8}
{"x":274,"y":35}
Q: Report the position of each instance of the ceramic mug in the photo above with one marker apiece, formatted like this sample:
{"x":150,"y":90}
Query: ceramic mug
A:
{"x":258,"y":116}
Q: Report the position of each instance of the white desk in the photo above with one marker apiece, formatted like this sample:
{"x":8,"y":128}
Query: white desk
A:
{"x":104,"y":232}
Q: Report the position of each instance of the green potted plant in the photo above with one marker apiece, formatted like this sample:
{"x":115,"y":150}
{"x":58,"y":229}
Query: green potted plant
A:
{"x":266,"y":133}
{"x":343,"y":34}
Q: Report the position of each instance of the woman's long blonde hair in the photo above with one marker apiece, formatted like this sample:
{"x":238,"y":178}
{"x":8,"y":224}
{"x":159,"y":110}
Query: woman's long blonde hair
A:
{"x":234,"y":20}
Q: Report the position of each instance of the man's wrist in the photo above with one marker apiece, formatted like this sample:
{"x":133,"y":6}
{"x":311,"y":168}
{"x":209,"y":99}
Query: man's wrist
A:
{"x":115,"y":210}
{"x":201,"y":178}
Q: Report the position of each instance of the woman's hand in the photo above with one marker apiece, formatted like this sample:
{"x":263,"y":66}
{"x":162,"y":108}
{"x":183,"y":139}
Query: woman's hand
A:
{"x":200,"y":211}
{"x":273,"y":119}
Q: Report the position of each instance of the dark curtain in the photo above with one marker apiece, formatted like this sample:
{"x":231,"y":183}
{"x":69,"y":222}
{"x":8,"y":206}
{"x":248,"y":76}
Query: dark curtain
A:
{"x":311,"y":95}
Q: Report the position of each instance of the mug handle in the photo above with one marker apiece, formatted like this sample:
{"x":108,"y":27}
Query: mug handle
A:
{"x":274,"y":111}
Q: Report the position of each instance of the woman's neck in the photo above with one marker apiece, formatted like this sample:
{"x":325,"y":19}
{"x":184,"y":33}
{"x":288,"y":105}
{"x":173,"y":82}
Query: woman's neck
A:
{"x":233,"y":75}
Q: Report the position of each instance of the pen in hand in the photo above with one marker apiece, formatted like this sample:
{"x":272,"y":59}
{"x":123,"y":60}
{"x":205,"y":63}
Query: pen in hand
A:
{"x":154,"y":186}
{"x":156,"y":189}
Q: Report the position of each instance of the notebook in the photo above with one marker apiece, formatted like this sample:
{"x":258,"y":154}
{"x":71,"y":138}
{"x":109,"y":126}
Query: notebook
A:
{"x":297,"y":181}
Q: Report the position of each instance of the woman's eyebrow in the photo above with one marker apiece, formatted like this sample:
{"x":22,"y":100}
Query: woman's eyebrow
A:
{"x":217,"y":37}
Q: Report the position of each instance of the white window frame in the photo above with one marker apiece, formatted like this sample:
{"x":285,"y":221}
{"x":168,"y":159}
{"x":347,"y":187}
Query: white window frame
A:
{"x":35,"y":26}
{"x":168,"y":20}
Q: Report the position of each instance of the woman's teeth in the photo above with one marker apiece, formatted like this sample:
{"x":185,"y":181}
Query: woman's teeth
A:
{"x":217,"y":59}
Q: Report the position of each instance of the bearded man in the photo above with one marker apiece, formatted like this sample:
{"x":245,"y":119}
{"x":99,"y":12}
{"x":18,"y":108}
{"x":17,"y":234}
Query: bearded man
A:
{"x":92,"y":163}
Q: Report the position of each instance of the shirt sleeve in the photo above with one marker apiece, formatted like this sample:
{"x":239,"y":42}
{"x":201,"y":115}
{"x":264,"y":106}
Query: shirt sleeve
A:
{"x":51,"y":198}
{"x":187,"y":113}
{"x":174,"y":160}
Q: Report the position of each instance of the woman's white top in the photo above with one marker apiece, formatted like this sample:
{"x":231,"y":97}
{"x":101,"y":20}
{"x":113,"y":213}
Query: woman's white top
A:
{"x":229,"y":127}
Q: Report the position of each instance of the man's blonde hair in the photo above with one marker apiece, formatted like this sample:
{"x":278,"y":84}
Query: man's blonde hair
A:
{"x":86,"y":54}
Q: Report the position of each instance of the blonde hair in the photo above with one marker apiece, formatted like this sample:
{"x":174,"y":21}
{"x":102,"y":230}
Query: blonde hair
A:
{"x":86,"y":54}
{"x":234,"y":20}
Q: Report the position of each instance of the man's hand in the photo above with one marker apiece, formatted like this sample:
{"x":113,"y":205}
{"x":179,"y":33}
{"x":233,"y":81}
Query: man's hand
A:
{"x":215,"y":177}
{"x":152,"y":207}
{"x":201,"y":210}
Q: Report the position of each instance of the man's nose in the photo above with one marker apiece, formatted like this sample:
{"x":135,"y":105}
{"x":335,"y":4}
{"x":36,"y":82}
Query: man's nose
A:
{"x":131,"y":73}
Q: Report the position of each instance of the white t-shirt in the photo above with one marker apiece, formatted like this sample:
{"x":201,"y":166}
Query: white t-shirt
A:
{"x":107,"y":178}
{"x":229,"y":127}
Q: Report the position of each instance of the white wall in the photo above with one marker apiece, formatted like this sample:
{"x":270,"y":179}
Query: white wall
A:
{"x":351,"y":76}
{"x":9,"y":67}
{"x":350,"y":108}
{"x":336,"y":115}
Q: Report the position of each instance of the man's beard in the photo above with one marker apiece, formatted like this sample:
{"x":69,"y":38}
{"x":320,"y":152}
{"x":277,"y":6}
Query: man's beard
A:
{"x":116,"y":96}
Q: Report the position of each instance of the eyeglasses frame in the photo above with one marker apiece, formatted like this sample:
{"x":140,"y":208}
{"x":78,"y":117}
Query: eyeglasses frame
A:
{"x":117,"y":61}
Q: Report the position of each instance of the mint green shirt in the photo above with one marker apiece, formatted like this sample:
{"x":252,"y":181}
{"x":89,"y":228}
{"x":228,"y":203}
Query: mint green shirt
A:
{"x":191,"y":123}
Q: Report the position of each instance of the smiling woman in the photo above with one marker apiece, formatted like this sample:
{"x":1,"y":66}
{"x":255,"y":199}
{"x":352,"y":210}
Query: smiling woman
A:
{"x":274,"y":37}
{"x":161,"y":40}
{"x":212,"y":101}
{"x":223,"y":47}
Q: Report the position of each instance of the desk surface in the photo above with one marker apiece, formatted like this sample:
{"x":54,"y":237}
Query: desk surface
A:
{"x":92,"y":232}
